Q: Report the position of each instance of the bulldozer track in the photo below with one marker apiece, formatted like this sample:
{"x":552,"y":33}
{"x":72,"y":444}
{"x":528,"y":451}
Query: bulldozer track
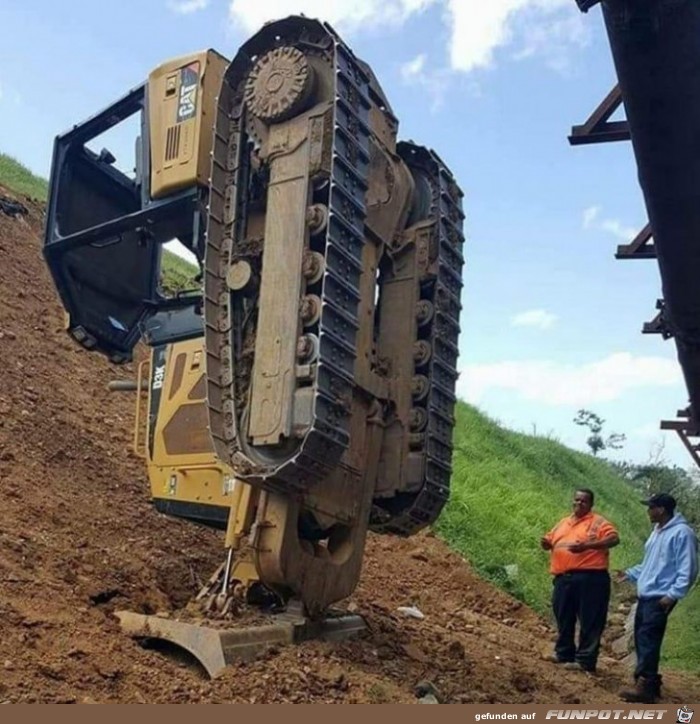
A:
{"x":441,"y":288}
{"x":319,"y":451}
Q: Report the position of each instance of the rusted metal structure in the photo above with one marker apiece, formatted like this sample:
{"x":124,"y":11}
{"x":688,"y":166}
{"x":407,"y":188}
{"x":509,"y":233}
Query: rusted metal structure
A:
{"x":656,"y":49}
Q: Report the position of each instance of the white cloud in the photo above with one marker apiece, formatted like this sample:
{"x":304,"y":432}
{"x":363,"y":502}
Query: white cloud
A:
{"x":435,"y":82}
{"x":346,"y":14}
{"x":590,"y":215}
{"x":186,"y":7}
{"x":592,"y":220}
{"x":413,"y":69}
{"x":552,"y":383}
{"x":538,"y":318}
{"x":553,"y":38}
{"x":477,"y":28}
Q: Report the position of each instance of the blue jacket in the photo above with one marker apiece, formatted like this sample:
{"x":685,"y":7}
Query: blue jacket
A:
{"x":670,"y":564}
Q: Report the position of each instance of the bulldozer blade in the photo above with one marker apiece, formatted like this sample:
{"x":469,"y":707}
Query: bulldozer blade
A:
{"x":215,"y":648}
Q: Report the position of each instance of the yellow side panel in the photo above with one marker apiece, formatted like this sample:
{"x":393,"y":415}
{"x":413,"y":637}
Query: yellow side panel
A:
{"x":183,"y":466}
{"x":181,"y":105}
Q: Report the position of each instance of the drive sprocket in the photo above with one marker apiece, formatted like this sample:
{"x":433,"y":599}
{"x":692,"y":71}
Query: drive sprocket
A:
{"x":279,"y":84}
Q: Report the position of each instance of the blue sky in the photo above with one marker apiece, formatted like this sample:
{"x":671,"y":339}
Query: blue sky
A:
{"x":551,"y":321}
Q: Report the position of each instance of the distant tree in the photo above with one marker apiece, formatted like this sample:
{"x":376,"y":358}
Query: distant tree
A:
{"x":595,"y":441}
{"x":682,"y":484}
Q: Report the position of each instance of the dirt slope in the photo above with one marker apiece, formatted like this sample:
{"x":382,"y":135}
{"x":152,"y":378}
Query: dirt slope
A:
{"x":79,"y":539}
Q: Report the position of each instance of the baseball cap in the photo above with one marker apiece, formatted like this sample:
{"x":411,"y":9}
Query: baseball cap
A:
{"x":661,"y":500}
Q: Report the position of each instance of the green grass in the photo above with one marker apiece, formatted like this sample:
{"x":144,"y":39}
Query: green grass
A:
{"x":20,"y":179}
{"x":177,"y":274}
{"x":508,"y":489}
{"x":682,"y":642}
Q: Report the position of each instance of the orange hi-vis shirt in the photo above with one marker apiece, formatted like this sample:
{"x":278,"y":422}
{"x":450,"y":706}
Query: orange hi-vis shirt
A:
{"x":591,"y":527}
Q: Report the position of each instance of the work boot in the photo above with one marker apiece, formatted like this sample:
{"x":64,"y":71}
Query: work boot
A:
{"x":645,"y":692}
{"x":578,"y":666}
{"x":554,"y":659}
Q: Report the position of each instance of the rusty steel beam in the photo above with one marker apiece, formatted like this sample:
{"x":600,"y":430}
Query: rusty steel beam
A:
{"x":658,"y":325}
{"x":679,"y":426}
{"x":685,"y":430}
{"x":641,"y":247}
{"x":685,"y":433}
{"x":656,"y":50}
{"x":599,"y":128}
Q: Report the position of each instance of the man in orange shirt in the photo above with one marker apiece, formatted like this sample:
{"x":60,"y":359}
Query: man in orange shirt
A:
{"x":579,"y":546}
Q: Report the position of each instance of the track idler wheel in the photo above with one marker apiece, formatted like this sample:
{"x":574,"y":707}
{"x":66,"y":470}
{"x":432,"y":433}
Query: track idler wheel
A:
{"x":422,"y":352}
{"x":310,"y":310}
{"x":308,"y":348}
{"x":424,"y":312}
{"x":313,"y":266}
{"x":420,"y":387}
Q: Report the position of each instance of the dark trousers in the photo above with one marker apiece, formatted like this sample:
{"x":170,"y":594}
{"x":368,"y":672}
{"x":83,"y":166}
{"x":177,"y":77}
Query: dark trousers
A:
{"x":581,"y":596}
{"x":649,"y":629}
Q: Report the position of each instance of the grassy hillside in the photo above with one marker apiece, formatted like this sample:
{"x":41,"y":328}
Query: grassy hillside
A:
{"x":178,"y":274}
{"x":508,"y":489}
{"x":20,"y":179}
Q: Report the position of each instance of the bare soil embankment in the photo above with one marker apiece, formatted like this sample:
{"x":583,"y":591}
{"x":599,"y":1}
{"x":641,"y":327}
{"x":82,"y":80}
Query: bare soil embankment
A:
{"x":79,"y":539}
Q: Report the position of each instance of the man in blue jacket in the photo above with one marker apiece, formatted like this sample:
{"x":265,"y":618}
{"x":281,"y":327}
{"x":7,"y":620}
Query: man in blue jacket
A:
{"x":669,"y":568}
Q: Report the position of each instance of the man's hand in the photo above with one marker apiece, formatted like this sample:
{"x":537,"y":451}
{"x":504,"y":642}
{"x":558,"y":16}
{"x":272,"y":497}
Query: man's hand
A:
{"x":667,"y":603}
{"x":619,"y":576}
{"x":578,"y":547}
{"x":545,"y":544}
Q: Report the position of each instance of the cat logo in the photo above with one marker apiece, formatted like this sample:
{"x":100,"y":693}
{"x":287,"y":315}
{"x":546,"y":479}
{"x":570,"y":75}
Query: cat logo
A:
{"x":187,"y":101}
{"x":684,"y":715}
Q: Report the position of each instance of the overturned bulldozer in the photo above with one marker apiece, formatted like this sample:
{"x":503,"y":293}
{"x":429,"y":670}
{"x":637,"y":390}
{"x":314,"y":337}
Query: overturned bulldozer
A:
{"x":305,"y":392}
